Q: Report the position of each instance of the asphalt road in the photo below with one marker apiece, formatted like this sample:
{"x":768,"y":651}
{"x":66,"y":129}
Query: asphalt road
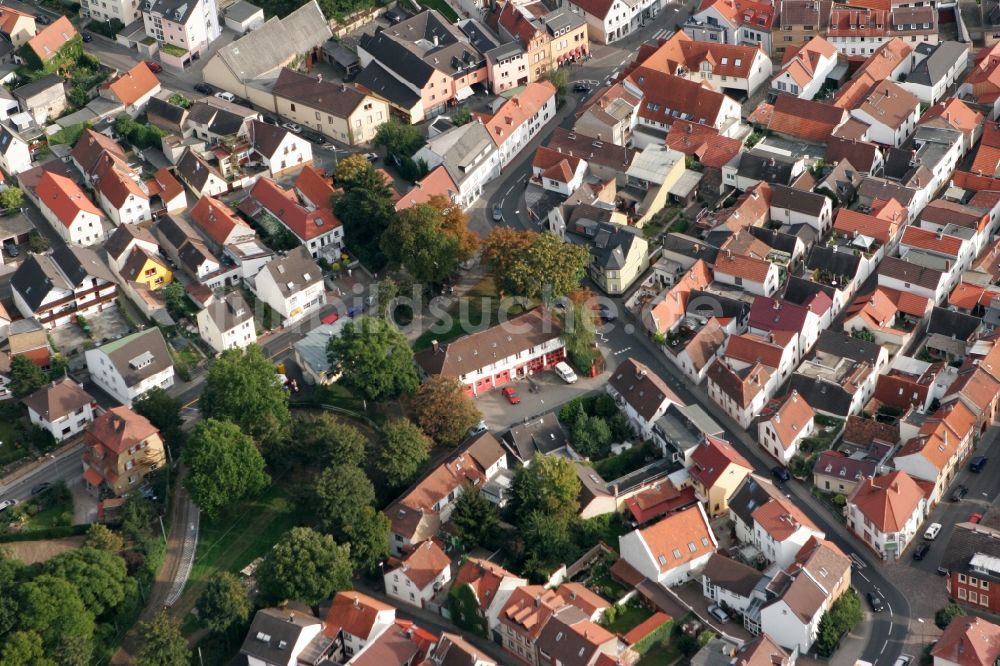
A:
{"x":65,"y":467}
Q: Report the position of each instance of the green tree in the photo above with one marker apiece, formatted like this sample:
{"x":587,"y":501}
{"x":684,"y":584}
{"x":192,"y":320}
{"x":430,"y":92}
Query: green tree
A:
{"x":163,"y":644}
{"x":11,"y":198}
{"x":385,"y":292}
{"x":549,"y":485}
{"x":24,"y":648}
{"x":402,"y":452}
{"x":863,"y":334}
{"x":163,"y":411}
{"x":462,"y":117}
{"x":180,"y":100}
{"x":591,"y":436}
{"x":243,"y":387}
{"x":25,"y":377}
{"x":475,"y":518}
{"x":559,"y":79}
{"x":368,"y":536}
{"x":399,"y":138}
{"x":465,"y":612}
{"x":374,"y":357}
{"x":224,"y":603}
{"x":51,"y":607}
{"x":944,"y":616}
{"x":306,"y":566}
{"x":443,"y":410}
{"x":224,"y":466}
{"x":366,"y":207}
{"x":98,"y":575}
{"x":342,"y":493}
{"x":455,"y":223}
{"x":547,"y":542}
{"x":176,"y":300}
{"x":844,"y":615}
{"x":323,"y":439}
{"x":532,"y":264}
{"x":101,"y":537}
{"x":580,"y":330}
{"x":37,"y":242}
{"x":416,"y":241}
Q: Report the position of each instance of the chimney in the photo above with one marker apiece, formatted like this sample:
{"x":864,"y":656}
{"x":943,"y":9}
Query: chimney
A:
{"x":435,"y":346}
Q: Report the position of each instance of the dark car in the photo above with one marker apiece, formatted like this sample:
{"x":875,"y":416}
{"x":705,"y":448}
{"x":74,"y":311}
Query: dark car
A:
{"x":978,"y":463}
{"x":875,"y":602}
{"x":780,"y":473}
{"x":393,"y":17}
{"x":581,"y":87}
{"x":606,"y":314}
{"x":920,"y":551}
{"x":39,"y":488}
{"x":959,"y":493}
{"x":204,"y":88}
{"x":87,"y":37}
{"x":43,"y":19}
{"x":11,"y":249}
{"x":154,"y":66}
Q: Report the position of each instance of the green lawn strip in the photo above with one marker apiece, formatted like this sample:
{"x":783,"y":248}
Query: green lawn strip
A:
{"x":442,"y":7}
{"x":10,"y":451}
{"x":662,"y":654}
{"x":628,"y":618}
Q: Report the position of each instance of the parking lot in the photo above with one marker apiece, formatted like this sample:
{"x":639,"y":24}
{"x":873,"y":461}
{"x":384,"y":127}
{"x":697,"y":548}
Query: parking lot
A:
{"x":70,"y":339}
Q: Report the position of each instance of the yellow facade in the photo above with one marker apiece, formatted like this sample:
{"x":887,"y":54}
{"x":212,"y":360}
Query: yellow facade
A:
{"x":154,"y":275}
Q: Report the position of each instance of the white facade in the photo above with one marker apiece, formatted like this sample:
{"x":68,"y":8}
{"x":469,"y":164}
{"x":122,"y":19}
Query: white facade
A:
{"x":190,"y":28}
{"x":760,"y":71}
{"x":15,"y":156}
{"x":742,"y":415}
{"x":782,"y":552}
{"x":133,"y":211}
{"x":768,"y":439}
{"x":766,"y":288}
{"x":637,"y":553}
{"x":68,"y":425}
{"x":470,"y":178}
{"x":399,"y":586}
{"x":622,"y":18}
{"x":559,"y":186}
{"x":821,"y":223}
{"x":876,"y":539}
{"x":784,"y":82}
{"x":239,"y":336}
{"x":934,"y":295}
{"x":292,"y":306}
{"x":104,"y":373}
{"x":787,"y":629}
{"x":880,"y":132}
{"x":931,"y":94}
{"x":125,"y":11}
{"x":293,"y":152}
{"x":85,"y":229}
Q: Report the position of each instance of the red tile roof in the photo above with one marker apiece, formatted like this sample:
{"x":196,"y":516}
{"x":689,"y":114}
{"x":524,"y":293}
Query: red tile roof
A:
{"x":120,"y":428}
{"x":933,"y":242}
{"x":969,"y":641}
{"x":64,"y":198}
{"x":679,"y":538}
{"x":747,"y":268}
{"x":425,"y":563}
{"x":791,"y":419}
{"x":354,"y":613}
{"x":957,"y":113}
{"x":48,"y":41}
{"x":704,"y":142}
{"x":517,"y":111}
{"x":117,"y":182}
{"x":134,"y":84}
{"x":888,"y":501}
{"x":315,"y":186}
{"x":667,"y":312}
{"x":664,"y":94}
{"x":751,"y":348}
{"x":484,"y":577}
{"x":661,"y":499}
{"x":805,"y":119}
{"x":284,"y":205}
{"x":437,"y":183}
{"x":9,"y":18}
{"x":781,"y":519}
{"x":164,"y":185}
{"x":711,"y":458}
{"x":851,"y":222}
{"x":216,"y":219}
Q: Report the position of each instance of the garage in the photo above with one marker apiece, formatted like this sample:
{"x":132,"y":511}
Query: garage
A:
{"x":15,"y":228}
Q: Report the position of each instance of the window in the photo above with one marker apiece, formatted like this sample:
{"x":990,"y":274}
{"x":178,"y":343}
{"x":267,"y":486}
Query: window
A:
{"x":677,"y":553}
{"x":973,"y":597}
{"x":961,"y":577}
{"x":984,"y":600}
{"x":293,"y":107}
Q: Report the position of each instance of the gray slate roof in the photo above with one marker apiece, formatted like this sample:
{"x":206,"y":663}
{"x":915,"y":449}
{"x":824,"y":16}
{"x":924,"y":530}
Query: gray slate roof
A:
{"x":148,"y":344}
{"x":29,"y":90}
{"x":276,"y":42}
{"x":612,"y":246}
{"x":327,"y":96}
{"x":380,"y":82}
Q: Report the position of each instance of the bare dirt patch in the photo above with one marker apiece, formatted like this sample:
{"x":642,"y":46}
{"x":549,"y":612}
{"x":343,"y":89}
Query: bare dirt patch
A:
{"x":31,"y":552}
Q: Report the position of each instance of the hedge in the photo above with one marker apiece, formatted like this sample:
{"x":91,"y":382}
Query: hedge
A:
{"x":48,"y":533}
{"x":653,"y":638}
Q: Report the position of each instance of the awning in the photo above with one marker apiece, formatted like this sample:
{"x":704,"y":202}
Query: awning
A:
{"x":464,"y":93}
{"x":92,"y":477}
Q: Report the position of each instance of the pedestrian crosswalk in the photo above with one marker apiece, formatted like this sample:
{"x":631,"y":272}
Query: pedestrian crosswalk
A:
{"x":662,"y":33}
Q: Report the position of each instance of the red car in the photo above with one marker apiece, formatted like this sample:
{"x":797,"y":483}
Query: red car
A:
{"x":154,"y":66}
{"x":511,"y":395}
{"x":975,"y":518}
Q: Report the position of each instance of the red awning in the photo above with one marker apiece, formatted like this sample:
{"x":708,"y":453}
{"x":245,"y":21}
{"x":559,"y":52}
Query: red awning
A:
{"x":92,"y":477}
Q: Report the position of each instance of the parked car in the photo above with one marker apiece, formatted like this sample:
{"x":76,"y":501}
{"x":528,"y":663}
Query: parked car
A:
{"x":497,"y":213}
{"x":43,"y":19}
{"x":959,"y":493}
{"x":6,"y":504}
{"x":931,"y":532}
{"x":87,"y":37}
{"x":39,"y":488}
{"x":942,"y":571}
{"x":371,"y":157}
{"x":606,"y":314}
{"x":204,"y":88}
{"x":978,"y":463}
{"x":291,"y":127}
{"x":975,"y":517}
{"x":875,"y":602}
{"x":903,"y":660}
{"x":11,"y":249}
{"x":154,"y":66}
{"x":511,"y":395}
{"x":393,"y":17}
{"x":565,"y":372}
{"x":921,"y":550}
{"x":780,"y":473}
{"x":227,"y":96}
{"x":581,"y":87}
{"x":479,"y":427}
{"x":716,"y":611}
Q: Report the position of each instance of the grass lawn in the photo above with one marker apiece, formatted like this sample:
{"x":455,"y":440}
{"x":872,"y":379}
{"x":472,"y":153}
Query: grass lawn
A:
{"x":629,"y":617}
{"x":442,"y":7}
{"x":234,"y":539}
{"x":9,"y":452}
{"x":605,"y":585}
{"x":625,"y":462}
{"x":477,"y":310}
{"x":57,"y":513}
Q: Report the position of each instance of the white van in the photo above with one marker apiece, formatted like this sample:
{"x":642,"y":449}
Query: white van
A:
{"x":565,"y":372}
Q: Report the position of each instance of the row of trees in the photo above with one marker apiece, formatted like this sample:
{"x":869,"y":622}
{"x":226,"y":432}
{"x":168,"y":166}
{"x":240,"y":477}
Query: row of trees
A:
{"x":534,"y":265}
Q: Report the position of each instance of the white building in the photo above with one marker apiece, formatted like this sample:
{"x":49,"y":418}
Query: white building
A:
{"x":121,"y":193}
{"x":358,"y":619}
{"x":279,"y":149}
{"x":468,"y":154}
{"x":641,"y":394}
{"x":57,"y":287}
{"x":292,"y":285}
{"x":611,"y":20}
{"x":520,"y":118}
{"x":422,"y":573}
{"x":781,"y":433}
{"x":74,"y":217}
{"x":129,"y":367}
{"x":227,"y":323}
{"x":791,"y":206}
{"x":279,"y":636}
{"x":807,"y":71}
{"x":780,"y":531}
{"x":673,"y":550}
{"x":886,"y":512}
{"x":940,"y":68}
{"x":891,"y":113}
{"x":63,"y":408}
{"x":14,"y":154}
{"x":187,"y":25}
